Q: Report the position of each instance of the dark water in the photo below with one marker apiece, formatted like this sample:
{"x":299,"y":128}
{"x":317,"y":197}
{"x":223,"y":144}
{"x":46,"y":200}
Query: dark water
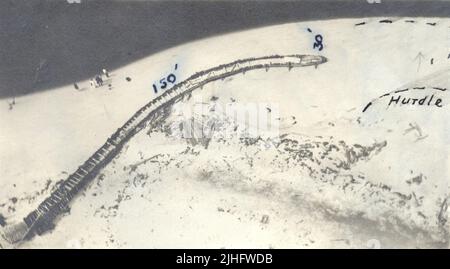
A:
{"x":47,"y":44}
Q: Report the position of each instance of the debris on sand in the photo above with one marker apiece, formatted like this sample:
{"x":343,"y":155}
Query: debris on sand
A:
{"x":2,"y":221}
{"x":265,"y":219}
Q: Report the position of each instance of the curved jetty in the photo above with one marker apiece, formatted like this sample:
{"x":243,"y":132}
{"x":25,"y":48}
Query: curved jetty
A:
{"x":42,"y":219}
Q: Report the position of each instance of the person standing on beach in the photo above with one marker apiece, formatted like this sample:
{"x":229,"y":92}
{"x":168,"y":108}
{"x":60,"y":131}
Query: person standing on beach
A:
{"x":105,"y":72}
{"x":99,"y":80}
{"x":11,"y":104}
